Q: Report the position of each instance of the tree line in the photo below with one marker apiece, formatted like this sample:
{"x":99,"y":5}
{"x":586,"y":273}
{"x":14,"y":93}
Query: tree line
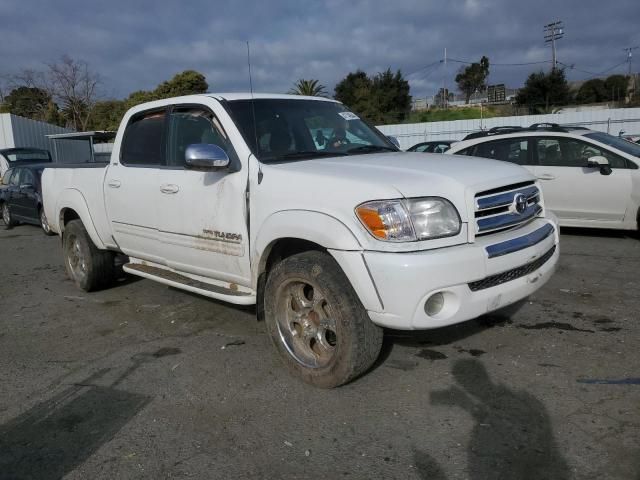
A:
{"x":67,"y":93}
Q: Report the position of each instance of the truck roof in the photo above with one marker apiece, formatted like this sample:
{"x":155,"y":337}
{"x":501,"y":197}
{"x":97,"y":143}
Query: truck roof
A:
{"x":249,"y":96}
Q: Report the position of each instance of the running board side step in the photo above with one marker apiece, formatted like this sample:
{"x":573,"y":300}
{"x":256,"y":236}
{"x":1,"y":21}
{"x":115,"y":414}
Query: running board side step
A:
{"x":183,"y":282}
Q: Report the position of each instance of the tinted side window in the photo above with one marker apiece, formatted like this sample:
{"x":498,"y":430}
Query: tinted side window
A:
{"x":27,"y":177}
{"x":143,"y":142}
{"x":191,"y":125}
{"x":514,"y":150}
{"x":466,"y":151}
{"x":568,"y":152}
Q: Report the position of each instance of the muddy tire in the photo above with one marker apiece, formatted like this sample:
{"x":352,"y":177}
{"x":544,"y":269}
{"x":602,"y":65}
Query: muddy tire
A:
{"x":88,"y":267}
{"x":44,"y":223}
{"x":316,"y":321}
{"x":7,"y":218}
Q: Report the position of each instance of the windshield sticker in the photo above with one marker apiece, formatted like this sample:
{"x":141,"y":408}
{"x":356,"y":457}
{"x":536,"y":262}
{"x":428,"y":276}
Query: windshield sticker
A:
{"x":348,"y":115}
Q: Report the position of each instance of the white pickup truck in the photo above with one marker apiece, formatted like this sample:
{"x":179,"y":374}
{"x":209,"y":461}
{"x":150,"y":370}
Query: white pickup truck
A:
{"x":297,"y":205}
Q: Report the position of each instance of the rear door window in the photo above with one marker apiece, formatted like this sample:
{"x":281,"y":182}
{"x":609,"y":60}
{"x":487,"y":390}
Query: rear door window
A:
{"x":143,"y":143}
{"x":514,"y":150}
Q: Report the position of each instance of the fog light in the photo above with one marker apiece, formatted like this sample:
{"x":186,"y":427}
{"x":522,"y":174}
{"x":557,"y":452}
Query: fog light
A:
{"x":434,"y":304}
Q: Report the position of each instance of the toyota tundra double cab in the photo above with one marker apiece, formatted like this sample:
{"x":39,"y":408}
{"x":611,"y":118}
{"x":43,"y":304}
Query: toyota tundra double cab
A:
{"x":297,"y":205}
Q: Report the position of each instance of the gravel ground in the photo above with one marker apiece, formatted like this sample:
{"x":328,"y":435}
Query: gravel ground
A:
{"x":145,"y":381}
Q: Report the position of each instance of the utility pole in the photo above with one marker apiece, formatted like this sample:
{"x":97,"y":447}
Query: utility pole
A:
{"x":630,"y":56}
{"x":552,"y":32}
{"x":445,"y":94}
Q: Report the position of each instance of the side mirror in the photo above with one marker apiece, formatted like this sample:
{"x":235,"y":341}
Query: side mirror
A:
{"x":394,"y":140}
{"x":600,"y":162}
{"x":205,"y":156}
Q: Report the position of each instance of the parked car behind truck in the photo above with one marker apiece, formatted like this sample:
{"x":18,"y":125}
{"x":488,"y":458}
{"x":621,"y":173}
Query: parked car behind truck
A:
{"x":229,"y":196}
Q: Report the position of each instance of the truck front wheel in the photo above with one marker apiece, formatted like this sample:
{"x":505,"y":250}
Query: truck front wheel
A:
{"x":89,"y":267}
{"x":317,"y":322}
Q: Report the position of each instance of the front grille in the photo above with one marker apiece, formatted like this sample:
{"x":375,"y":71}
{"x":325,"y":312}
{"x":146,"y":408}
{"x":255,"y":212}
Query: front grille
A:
{"x":509,"y":275}
{"x":495,"y":210}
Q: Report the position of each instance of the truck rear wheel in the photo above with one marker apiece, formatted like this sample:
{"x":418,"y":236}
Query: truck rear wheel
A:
{"x":89,"y":267}
{"x":316,"y":321}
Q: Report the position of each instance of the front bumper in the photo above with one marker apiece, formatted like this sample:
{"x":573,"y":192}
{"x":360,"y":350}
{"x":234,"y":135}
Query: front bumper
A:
{"x":473,"y":279}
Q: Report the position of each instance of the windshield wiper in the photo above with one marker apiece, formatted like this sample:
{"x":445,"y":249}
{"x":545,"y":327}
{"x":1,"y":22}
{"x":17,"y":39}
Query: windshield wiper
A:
{"x":371,"y":148}
{"x":307,"y":154}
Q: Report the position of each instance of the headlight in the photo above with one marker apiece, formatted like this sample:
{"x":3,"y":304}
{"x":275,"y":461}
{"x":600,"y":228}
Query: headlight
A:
{"x":408,"y":220}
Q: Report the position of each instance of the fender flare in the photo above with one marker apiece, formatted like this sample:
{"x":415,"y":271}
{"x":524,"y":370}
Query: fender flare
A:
{"x":72,"y":199}
{"x":317,"y":227}
{"x":323,"y":230}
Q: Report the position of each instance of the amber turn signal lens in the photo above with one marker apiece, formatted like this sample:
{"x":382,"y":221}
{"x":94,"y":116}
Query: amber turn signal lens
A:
{"x":371,"y":219}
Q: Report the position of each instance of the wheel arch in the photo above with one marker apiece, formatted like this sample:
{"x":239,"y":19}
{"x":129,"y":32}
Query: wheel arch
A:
{"x":72,"y":206}
{"x":291,"y":232}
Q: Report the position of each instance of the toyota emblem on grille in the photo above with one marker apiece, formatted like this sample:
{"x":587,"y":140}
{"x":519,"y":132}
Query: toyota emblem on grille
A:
{"x":520,"y":203}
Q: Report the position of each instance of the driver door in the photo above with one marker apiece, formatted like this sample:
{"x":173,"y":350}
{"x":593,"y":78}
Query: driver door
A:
{"x":574,"y":191}
{"x":202,"y":217}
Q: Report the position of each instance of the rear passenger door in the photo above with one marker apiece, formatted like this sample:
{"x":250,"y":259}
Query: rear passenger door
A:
{"x":131,"y":186}
{"x":577,"y":192}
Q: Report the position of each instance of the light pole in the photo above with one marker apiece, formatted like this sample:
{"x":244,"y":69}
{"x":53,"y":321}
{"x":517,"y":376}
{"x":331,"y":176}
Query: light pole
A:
{"x":552,"y":32}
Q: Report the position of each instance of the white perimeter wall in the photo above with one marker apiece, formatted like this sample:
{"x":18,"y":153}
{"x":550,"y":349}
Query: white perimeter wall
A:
{"x":610,"y":121}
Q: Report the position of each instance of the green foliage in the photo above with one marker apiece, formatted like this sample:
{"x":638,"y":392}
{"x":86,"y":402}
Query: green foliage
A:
{"x":543,"y":91}
{"x":616,"y":87}
{"x":310,"y":88}
{"x":188,"y":82}
{"x":106,"y":115}
{"x":444,"y":115}
{"x":28,"y":102}
{"x":597,"y":90}
{"x":592,"y":91}
{"x":472,"y":78}
{"x":382,"y":99}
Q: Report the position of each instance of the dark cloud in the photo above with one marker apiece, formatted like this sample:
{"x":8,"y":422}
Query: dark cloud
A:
{"x":137,"y":44}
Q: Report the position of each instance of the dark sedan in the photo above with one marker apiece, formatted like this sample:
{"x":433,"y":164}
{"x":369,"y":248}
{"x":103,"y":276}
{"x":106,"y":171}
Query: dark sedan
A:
{"x":435,"y":146}
{"x":21,"y":197}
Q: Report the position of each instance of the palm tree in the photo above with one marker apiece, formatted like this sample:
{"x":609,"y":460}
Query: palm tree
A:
{"x":311,"y":88}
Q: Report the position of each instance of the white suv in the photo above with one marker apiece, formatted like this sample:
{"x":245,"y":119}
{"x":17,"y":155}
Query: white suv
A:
{"x":589,"y":178}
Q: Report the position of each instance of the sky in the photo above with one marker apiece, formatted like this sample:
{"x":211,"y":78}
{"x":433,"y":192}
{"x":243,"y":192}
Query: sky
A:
{"x":137,"y":44}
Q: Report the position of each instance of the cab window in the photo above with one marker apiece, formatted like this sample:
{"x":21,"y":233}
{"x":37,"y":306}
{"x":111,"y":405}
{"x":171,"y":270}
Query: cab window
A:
{"x":192,"y":125}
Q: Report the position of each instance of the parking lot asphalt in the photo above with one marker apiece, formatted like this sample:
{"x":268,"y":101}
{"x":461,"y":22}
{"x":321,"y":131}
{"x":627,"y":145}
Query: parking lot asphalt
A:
{"x":145,"y":381}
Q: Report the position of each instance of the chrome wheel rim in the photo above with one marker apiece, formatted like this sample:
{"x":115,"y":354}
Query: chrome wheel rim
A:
{"x":306,"y":323}
{"x":6,"y":217}
{"x":43,"y":221}
{"x":76,"y":259}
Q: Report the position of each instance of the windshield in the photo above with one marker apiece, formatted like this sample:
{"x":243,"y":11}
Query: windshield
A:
{"x":303,"y":129}
{"x":616,"y":142}
{"x":27,"y":155}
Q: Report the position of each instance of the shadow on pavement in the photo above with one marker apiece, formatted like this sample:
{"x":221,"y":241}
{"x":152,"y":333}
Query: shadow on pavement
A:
{"x":54,"y":437}
{"x":512,"y":436}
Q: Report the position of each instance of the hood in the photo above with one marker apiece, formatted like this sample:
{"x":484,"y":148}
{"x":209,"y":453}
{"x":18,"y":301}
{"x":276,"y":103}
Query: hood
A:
{"x":359,"y":178}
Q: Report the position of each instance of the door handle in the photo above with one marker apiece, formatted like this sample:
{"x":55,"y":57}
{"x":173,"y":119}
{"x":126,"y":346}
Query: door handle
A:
{"x":169,"y":188}
{"x":546,"y":176}
{"x":114,"y":183}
